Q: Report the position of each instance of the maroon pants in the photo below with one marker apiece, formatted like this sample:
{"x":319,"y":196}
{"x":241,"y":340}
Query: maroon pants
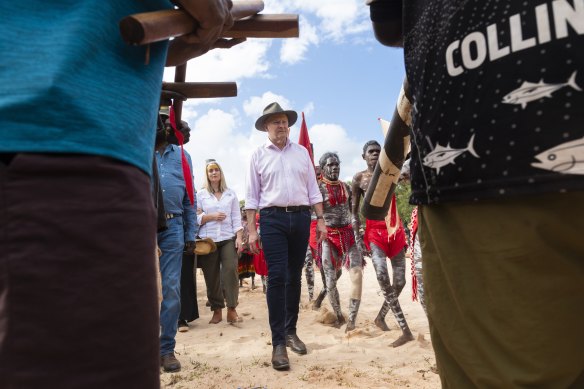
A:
{"x":78,"y":303}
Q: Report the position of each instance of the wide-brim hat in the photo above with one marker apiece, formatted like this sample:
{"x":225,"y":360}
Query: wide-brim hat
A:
{"x":272,"y":109}
{"x":205,"y":246}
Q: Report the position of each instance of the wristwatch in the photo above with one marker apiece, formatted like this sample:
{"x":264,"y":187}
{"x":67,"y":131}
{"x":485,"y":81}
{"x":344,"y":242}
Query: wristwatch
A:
{"x":319,"y":217}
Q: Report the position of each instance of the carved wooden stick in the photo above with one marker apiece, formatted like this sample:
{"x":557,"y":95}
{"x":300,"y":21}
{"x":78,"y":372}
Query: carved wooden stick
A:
{"x":377,"y":199}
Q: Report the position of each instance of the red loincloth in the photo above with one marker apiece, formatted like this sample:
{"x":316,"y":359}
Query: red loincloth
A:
{"x":376,"y":232}
{"x":340,"y":239}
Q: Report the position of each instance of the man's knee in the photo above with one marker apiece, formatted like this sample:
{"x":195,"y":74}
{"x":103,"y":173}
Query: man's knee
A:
{"x":277,"y":278}
{"x":398,"y":264}
{"x":399,"y":284}
{"x":331,"y":279}
{"x":171,"y":288}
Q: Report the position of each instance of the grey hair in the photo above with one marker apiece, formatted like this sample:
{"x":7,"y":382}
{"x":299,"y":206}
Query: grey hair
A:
{"x":325,"y":156}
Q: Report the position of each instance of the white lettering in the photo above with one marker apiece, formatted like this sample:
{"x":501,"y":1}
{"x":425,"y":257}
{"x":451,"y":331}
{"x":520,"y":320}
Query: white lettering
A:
{"x":517,"y":41}
{"x":452,"y":69}
{"x":564,"y":14}
{"x":543,"y":23}
{"x":471,"y":51}
{"x":494,"y":51}
{"x":481,"y":45}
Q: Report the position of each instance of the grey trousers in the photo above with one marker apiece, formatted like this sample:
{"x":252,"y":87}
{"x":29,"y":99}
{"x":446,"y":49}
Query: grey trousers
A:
{"x":220,"y":271}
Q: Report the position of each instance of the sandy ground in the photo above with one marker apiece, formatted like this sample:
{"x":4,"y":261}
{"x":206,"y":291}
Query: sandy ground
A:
{"x":238,"y":356}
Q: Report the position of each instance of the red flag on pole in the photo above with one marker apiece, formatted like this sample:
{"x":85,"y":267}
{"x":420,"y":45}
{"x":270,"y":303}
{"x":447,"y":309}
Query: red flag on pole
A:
{"x":304,"y":140}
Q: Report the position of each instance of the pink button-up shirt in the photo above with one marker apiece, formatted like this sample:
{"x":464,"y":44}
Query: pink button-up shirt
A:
{"x":281,"y":177}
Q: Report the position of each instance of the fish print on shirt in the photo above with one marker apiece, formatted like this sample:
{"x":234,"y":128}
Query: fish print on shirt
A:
{"x":529,"y":91}
{"x":442,"y":156}
{"x":566,"y":158}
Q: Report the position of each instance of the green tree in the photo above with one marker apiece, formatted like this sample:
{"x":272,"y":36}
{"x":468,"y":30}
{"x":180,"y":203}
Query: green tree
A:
{"x":404,"y":208}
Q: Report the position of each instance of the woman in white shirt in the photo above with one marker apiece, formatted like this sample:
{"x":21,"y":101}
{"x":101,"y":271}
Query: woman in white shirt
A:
{"x":220,"y":219}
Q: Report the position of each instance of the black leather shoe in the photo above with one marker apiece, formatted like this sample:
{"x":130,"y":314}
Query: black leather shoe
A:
{"x":183,"y":326}
{"x":169,"y":363}
{"x":280,"y":359}
{"x":295,"y":344}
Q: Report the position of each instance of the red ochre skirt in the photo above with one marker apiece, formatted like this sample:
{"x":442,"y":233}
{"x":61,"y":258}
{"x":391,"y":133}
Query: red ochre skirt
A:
{"x":376,"y":232}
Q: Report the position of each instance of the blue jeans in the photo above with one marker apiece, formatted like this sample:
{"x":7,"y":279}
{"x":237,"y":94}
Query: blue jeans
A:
{"x":284,"y":240}
{"x":171,"y":243}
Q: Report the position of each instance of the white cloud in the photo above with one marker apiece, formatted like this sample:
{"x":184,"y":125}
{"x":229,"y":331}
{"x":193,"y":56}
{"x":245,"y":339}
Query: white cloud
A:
{"x":214,"y":135}
{"x":246,"y":60}
{"x":254,"y":106}
{"x":294,"y":50}
{"x":337,"y":18}
{"x":333,"y":137}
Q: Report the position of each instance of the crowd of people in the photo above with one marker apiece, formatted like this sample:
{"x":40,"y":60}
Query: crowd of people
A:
{"x":496,"y":173}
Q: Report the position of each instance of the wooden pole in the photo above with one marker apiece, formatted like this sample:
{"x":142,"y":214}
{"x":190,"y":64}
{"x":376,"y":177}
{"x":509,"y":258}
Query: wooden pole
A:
{"x":202,"y":89}
{"x":150,"y":27}
{"x":154,"y":26}
{"x":180,"y":74}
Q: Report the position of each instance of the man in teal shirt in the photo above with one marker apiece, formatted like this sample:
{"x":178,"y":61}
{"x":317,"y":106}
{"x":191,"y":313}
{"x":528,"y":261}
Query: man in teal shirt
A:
{"x":77,"y":225}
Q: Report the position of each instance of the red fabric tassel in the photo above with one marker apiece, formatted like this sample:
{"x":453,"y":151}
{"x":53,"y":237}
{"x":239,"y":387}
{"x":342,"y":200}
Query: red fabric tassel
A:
{"x":185,"y":164}
{"x":336,"y":191}
{"x":413,"y":231}
{"x":414,"y":282}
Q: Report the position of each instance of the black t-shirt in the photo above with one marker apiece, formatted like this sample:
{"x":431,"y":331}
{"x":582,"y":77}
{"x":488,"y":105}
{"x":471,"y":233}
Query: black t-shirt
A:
{"x":498,"y":89}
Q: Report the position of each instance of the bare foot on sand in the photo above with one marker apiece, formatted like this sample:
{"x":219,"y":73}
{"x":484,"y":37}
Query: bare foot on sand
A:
{"x":217,"y":316}
{"x":232,"y":316}
{"x":406,"y":337}
{"x":339,"y":322}
{"x":350,"y":326}
{"x":380,"y":322}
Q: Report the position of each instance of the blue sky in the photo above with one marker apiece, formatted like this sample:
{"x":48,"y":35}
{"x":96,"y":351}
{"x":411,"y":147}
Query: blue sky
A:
{"x":336,"y":72}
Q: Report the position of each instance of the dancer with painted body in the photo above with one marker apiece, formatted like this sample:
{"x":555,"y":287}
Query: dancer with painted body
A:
{"x":339,"y":247}
{"x":313,"y":248}
{"x":382,"y":245}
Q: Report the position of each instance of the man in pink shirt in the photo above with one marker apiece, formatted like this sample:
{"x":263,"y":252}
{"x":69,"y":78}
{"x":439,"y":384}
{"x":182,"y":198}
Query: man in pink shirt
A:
{"x":282,"y":185}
